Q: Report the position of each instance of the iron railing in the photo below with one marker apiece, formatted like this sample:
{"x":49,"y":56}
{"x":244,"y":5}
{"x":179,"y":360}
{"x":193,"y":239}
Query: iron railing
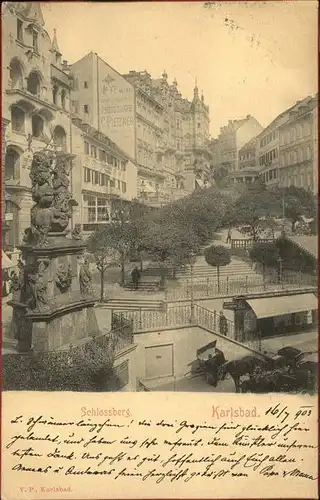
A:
{"x":142,"y":320}
{"x":208,"y":288}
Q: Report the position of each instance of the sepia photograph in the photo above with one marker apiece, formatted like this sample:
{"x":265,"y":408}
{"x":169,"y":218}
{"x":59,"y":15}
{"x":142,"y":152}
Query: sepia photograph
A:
{"x":159,"y":197}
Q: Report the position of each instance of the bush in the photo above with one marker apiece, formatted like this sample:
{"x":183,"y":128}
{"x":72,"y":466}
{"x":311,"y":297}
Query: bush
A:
{"x":265,"y":253}
{"x":84,"y":368}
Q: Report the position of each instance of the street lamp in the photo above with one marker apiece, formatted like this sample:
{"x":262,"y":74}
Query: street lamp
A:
{"x":192,"y":261}
{"x":280,"y":269}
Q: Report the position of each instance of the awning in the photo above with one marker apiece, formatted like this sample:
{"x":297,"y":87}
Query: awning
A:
{"x":278,"y":306}
{"x":6,"y":263}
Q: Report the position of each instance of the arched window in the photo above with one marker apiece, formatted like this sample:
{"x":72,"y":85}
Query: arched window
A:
{"x":37,"y":126}
{"x":33,"y":83}
{"x":54,"y":94}
{"x":16,"y":74}
{"x":11,"y":236}
{"x":12,"y":165}
{"x":17,"y":119}
{"x":63,"y":99}
{"x":60,"y":138}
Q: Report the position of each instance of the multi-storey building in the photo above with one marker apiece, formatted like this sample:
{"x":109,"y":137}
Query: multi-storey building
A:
{"x":180,"y":152}
{"x":161,"y":133}
{"x":247,"y":171}
{"x":298,"y":146}
{"x":286,"y":147}
{"x":231,"y":139}
{"x":35,"y":98}
{"x":102,"y":174}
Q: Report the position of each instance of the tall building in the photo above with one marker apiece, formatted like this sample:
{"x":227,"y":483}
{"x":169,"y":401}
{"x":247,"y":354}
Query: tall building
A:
{"x":102,"y":175}
{"x":287,"y":147}
{"x":298,"y":146}
{"x":231,"y":139}
{"x":163,"y":135}
{"x":178,"y":149}
{"x":35,"y":98}
{"x":247,"y":171}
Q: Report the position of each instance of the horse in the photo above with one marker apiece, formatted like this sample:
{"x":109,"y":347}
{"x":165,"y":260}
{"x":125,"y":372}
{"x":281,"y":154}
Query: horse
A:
{"x":240,"y":367}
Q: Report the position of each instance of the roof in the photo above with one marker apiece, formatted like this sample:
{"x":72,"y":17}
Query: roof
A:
{"x":307,"y":243}
{"x":271,"y":306}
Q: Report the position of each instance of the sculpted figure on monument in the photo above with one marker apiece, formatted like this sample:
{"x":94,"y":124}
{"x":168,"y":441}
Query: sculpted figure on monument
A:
{"x":39,"y":290}
{"x":77,"y":233}
{"x":85,"y":278}
{"x":63,"y":201}
{"x":63,"y":277}
{"x":17,"y":281}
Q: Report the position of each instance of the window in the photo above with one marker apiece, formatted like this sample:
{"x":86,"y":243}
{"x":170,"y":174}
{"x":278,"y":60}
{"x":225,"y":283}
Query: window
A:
{"x":17,"y":119}
{"x":86,"y":147}
{"x":123,"y":166}
{"x":87,"y":174}
{"x":60,"y":138}
{"x":16,"y":74}
{"x":95,"y":177}
{"x":19,"y":30}
{"x":124,"y":187}
{"x":63,"y":99}
{"x":37,"y":126}
{"x":102,"y":155}
{"x":54,"y":94}
{"x":35,"y":40}
{"x":308,"y":153}
{"x":199,"y":125}
{"x":96,"y":209}
{"x":85,"y":84}
{"x":112,"y":183}
{"x":93,"y":151}
{"x":102,"y":210}
{"x":86,"y":108}
{"x":12,"y":165}
{"x":33,"y":83}
{"x":119,"y":184}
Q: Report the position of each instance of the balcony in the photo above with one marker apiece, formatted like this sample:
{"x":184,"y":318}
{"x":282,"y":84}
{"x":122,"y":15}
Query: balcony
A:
{"x":60,"y":76}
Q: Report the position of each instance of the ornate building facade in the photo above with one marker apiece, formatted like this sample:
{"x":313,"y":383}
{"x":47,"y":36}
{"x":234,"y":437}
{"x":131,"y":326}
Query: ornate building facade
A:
{"x":35,"y":98}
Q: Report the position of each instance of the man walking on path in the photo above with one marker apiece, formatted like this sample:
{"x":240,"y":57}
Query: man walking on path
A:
{"x":135,"y":275}
{"x":229,"y":236}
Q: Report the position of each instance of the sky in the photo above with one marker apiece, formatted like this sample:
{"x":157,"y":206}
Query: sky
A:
{"x":254,"y":58}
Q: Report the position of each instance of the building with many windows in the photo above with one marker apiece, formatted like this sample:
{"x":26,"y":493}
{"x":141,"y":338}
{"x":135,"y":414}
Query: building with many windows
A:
{"x":102,"y":174}
{"x":35,"y":99}
{"x":247,"y":171}
{"x":298,"y":139}
{"x":231,"y":139}
{"x":163,"y":134}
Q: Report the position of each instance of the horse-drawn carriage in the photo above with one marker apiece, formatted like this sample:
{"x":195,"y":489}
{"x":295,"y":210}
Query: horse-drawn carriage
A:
{"x":291,"y":370}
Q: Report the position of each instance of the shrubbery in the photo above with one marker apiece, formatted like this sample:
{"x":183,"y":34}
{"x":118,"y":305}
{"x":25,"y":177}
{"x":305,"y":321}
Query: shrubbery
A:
{"x":86,"y":368}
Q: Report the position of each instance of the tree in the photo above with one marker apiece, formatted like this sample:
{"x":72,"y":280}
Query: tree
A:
{"x":266,"y":254}
{"x":297,"y":202}
{"x":252,"y":212}
{"x":217,"y":256}
{"x":170,"y":243}
{"x":101,"y":245}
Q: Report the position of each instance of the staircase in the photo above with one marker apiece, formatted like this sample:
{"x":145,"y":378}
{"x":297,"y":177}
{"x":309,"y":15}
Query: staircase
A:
{"x":124,"y":304}
{"x":201,"y":270}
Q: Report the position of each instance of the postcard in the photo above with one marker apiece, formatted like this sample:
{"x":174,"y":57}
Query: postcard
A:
{"x":159,"y":250}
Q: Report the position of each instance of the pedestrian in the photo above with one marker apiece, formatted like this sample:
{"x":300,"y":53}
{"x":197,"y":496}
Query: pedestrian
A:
{"x":223,"y":324}
{"x":135,"y":275}
{"x":229,"y":236}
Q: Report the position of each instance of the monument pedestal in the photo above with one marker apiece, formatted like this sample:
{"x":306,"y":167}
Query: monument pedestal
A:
{"x":51,"y":309}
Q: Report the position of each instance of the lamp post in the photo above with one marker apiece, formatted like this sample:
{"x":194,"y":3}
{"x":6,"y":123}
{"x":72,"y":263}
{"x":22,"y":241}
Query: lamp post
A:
{"x":280,"y":269}
{"x":192,"y":261}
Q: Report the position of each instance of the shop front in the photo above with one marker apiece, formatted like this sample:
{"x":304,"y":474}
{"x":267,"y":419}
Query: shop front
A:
{"x":268,"y":316}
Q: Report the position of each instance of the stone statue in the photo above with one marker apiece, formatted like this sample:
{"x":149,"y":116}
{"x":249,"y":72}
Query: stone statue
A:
{"x":85,"y":278}
{"x":63,"y":201}
{"x":39,"y":289}
{"x":63,"y":277}
{"x":77,"y":233}
{"x":17,"y":281}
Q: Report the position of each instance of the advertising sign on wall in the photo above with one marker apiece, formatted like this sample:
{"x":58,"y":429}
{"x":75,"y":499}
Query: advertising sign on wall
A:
{"x":116,"y":108}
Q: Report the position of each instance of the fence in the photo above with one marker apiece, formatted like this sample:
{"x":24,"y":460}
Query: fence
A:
{"x":142,"y":320}
{"x":248,"y":243}
{"x":185,"y":315}
{"x":208,"y":288}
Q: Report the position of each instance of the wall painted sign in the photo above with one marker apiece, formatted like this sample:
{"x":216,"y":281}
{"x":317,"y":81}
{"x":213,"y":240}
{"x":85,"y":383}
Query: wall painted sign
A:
{"x":116,"y":108}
